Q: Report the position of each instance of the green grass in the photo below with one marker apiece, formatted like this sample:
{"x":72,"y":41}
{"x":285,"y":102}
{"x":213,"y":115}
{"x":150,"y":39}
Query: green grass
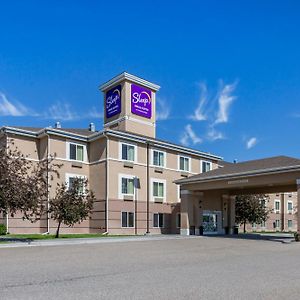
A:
{"x":61,"y":236}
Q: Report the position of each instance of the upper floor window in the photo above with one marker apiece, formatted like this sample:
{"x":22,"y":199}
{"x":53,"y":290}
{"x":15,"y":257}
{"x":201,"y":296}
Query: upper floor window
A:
{"x":127,"y":186}
{"x":158,"y":190}
{"x":128,"y":152}
{"x":184,"y":163}
{"x":205,"y":166}
{"x":290,"y":206}
{"x":70,"y":179}
{"x":158,"y":158}
{"x":277,"y":206}
{"x":76,"y":152}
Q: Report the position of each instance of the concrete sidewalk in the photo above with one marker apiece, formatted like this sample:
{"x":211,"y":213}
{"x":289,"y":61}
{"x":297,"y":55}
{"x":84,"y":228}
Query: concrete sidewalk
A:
{"x":282,"y":238}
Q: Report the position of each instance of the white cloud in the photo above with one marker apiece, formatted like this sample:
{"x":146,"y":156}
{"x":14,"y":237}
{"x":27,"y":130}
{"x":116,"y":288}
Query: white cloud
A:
{"x":199,"y":114}
{"x":94,"y":113}
{"x":214,"y":135}
{"x":61,"y":111}
{"x":7,"y":108}
{"x":162,"y":109}
{"x":225,"y":100}
{"x":251,"y":142}
{"x":189,"y":135}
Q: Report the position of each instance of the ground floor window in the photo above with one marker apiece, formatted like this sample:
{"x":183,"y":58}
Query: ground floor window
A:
{"x":263,"y":224}
{"x":178,"y":220}
{"x":127,"y":219}
{"x":290,"y":223}
{"x":158,"y":220}
{"x":277,"y":223}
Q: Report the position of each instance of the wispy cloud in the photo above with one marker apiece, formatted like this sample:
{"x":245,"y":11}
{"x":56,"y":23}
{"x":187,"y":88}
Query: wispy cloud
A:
{"x":200,"y":114}
{"x":61,"y":111}
{"x":250,"y":143}
{"x":189,"y":135}
{"x":214,"y":134}
{"x":163,"y":109}
{"x":94,"y":113}
{"x":225,"y":100}
{"x":16,"y":109}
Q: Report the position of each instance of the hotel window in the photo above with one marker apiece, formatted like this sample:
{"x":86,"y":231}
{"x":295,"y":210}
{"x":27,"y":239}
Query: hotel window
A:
{"x":128,"y":152}
{"x":178,"y":220}
{"x":158,"y":158}
{"x":70,"y":181}
{"x":127,"y":186}
{"x":277,"y":223}
{"x":277,"y":206}
{"x":158,"y":190}
{"x":205,"y":166}
{"x":127,"y":219}
{"x":158,"y":220}
{"x":263,"y":224}
{"x":184,"y":163}
{"x":76,"y":152}
{"x":263,"y":203}
{"x":254,"y":225}
{"x":290,"y":223}
{"x":290,"y":207}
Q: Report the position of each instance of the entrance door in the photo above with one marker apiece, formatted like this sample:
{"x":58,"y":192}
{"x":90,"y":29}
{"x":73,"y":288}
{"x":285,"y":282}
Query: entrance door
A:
{"x":212,"y":222}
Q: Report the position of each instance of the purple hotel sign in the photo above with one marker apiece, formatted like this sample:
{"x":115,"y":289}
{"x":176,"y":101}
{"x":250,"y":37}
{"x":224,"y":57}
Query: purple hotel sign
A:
{"x":113,"y":101}
{"x":141,"y":102}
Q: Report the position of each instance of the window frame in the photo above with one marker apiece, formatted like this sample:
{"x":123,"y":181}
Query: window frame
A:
{"x":189,"y":164}
{"x":68,"y":152}
{"x":70,"y":175}
{"x":163,"y":220}
{"x":277,"y":211}
{"x":290,"y":211}
{"x":120,"y":192}
{"x":127,"y":219}
{"x":152,"y":158}
{"x":121,"y":152}
{"x":201,"y":165}
{"x":290,"y":227}
{"x":157,"y":180}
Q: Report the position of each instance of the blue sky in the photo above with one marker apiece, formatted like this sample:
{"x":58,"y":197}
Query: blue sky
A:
{"x":229,"y":71}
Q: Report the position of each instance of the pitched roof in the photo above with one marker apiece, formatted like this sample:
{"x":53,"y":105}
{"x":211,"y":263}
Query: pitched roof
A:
{"x":243,"y":168}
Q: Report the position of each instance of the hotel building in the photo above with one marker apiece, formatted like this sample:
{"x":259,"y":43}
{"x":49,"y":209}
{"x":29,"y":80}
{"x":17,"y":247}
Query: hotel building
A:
{"x":131,"y":171}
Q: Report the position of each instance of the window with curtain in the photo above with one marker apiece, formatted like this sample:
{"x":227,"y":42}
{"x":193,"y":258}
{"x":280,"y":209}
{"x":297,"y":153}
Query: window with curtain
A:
{"x":128,"y":152}
{"x":127,"y":186}
{"x":184,"y":164}
{"x":158,"y":189}
{"x":76,"y":152}
{"x":206,"y":166}
{"x":158,"y":158}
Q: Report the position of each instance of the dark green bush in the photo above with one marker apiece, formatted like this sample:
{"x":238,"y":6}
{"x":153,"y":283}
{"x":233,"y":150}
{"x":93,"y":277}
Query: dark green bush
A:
{"x":2,"y":229}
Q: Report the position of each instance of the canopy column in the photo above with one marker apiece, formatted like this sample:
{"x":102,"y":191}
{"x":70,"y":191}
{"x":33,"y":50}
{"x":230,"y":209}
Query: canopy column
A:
{"x":231,"y":214}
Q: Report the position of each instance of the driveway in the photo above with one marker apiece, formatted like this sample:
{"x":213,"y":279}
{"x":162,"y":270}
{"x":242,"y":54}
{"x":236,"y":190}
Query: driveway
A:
{"x":172,"y":268}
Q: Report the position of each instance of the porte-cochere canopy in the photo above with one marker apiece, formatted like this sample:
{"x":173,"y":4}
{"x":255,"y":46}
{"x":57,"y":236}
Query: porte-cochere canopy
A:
{"x":216,"y":189}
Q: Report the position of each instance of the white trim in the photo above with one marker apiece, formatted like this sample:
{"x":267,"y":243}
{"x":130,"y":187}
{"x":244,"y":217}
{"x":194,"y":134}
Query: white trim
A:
{"x":72,"y":175}
{"x":164,"y":181}
{"x":129,"y":118}
{"x":205,"y":161}
{"x":290,"y":211}
{"x":128,"y":176}
{"x":178,"y":194}
{"x":152,"y":158}
{"x":127,"y":144}
{"x":277,"y":211}
{"x":126,"y":76}
{"x":178,"y":163}
{"x":85,"y":156}
{"x":128,"y":227}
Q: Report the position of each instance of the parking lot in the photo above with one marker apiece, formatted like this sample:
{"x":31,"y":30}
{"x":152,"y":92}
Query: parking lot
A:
{"x":190,"y":268}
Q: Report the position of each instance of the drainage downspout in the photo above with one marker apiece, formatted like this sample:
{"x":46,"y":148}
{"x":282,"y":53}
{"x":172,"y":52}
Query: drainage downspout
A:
{"x":6,"y":214}
{"x":107,"y":183}
{"x":48,"y":193}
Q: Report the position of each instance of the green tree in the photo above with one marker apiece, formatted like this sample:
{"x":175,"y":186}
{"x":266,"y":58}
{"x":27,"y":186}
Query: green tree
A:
{"x":71,"y":205}
{"x":24,"y":184}
{"x":251,"y":209}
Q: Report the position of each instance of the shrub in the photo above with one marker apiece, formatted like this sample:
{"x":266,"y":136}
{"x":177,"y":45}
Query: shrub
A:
{"x":2,"y":229}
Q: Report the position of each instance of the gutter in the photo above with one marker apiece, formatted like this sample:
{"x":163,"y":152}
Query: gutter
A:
{"x":238,"y":175}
